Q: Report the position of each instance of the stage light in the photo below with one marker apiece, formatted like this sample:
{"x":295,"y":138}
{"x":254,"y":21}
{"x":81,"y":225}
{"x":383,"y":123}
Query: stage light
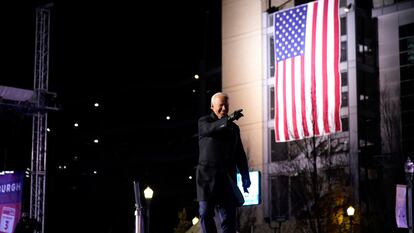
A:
{"x":348,"y":8}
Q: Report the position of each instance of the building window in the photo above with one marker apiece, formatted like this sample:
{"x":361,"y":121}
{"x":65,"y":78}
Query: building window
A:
{"x":344,"y":79}
{"x":344,"y":102}
{"x":279,"y":197}
{"x":406,"y":72}
{"x":279,"y":151}
{"x":410,"y":50}
{"x":406,"y":44}
{"x":299,"y":195}
{"x":343,"y":26}
{"x":271,"y":57}
{"x":343,"y":51}
{"x":270,"y":20}
{"x":272,"y":103}
{"x":345,"y":124}
{"x":407,"y":51}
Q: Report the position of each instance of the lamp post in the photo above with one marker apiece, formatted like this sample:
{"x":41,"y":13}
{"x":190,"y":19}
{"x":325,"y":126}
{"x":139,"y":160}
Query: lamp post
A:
{"x":409,"y":170}
{"x":350,"y":212}
{"x":148,"y":193}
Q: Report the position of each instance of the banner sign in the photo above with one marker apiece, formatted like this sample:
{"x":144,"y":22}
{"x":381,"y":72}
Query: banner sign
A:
{"x":11,"y":194}
{"x":253,"y":196}
{"x":400,"y":206}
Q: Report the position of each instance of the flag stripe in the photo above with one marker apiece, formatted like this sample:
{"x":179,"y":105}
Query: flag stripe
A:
{"x":295,"y":129}
{"x":309,"y":73}
{"x":298,"y":95}
{"x":324,"y":67}
{"x":307,"y":78}
{"x":285,"y":125}
{"x":303,"y":100}
{"x":288,"y":95}
{"x":313,"y":72}
{"x":330,"y":69}
{"x":277,"y":110}
{"x":336,"y":59}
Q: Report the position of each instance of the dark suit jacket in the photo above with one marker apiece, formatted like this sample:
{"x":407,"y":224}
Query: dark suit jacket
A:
{"x":221,"y":153}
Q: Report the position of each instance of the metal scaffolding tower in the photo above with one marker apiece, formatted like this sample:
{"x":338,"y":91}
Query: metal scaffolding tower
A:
{"x":38,"y":102}
{"x":39,"y":124}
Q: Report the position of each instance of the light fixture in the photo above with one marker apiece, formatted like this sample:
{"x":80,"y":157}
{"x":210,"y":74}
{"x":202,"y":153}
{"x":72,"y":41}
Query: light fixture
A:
{"x":409,"y":166}
{"x":350,"y":211}
{"x":348,"y":8}
{"x":195,"y":220}
{"x":148,"y":193}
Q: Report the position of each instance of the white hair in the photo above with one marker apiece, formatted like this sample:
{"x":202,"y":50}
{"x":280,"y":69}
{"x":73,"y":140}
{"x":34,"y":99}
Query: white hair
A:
{"x":218,"y":94}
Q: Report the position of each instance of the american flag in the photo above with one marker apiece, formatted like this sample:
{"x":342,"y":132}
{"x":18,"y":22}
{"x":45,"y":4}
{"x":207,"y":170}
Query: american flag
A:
{"x":308,"y":82}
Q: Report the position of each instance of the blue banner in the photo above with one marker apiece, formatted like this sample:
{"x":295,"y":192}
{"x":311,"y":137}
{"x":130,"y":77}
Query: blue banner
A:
{"x":11,"y":195}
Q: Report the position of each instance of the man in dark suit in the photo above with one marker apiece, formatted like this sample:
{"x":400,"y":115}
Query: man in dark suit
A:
{"x":221,"y":154}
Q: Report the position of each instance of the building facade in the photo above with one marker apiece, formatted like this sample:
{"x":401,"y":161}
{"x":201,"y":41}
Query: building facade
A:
{"x":376,"y":66}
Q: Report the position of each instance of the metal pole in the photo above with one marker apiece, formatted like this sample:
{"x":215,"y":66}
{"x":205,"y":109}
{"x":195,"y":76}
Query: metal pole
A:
{"x":410,"y":203}
{"x":148,"y":215}
{"x":409,"y":170}
{"x":139,"y":222}
{"x":136,"y":222}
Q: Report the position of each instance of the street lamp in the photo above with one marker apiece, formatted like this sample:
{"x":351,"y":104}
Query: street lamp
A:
{"x":148,"y":193}
{"x":350,"y":212}
{"x":348,"y":8}
{"x":195,"y":220}
{"x":409,"y":170}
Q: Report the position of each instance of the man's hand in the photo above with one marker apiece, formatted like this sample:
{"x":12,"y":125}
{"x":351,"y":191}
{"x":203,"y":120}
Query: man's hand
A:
{"x":235,"y":115}
{"x":246,"y":184}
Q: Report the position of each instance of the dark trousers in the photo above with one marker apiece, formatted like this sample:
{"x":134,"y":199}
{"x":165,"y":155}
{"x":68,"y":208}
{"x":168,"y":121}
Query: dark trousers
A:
{"x":227,"y":214}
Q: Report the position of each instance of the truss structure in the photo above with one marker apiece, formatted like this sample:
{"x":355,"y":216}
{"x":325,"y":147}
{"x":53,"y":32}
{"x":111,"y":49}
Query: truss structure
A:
{"x":37,"y":102}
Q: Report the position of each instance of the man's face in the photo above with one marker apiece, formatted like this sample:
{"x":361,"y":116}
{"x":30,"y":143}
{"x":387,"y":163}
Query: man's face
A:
{"x":220,"y":106}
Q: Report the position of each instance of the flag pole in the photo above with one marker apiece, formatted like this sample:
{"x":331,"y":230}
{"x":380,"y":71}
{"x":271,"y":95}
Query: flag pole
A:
{"x":409,"y":170}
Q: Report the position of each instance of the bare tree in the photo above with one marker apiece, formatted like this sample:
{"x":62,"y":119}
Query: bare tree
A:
{"x":320,"y":188}
{"x":183,"y":224}
{"x":390,"y":122}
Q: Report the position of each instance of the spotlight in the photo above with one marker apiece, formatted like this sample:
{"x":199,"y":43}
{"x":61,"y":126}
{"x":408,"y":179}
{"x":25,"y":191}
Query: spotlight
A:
{"x":348,"y":8}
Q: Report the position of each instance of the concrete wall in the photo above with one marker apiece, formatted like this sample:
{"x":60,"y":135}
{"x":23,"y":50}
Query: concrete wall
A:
{"x":242,"y":70}
{"x":242,"y":73}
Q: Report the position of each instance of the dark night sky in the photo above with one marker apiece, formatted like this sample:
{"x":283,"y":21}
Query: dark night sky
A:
{"x":137,"y":60}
